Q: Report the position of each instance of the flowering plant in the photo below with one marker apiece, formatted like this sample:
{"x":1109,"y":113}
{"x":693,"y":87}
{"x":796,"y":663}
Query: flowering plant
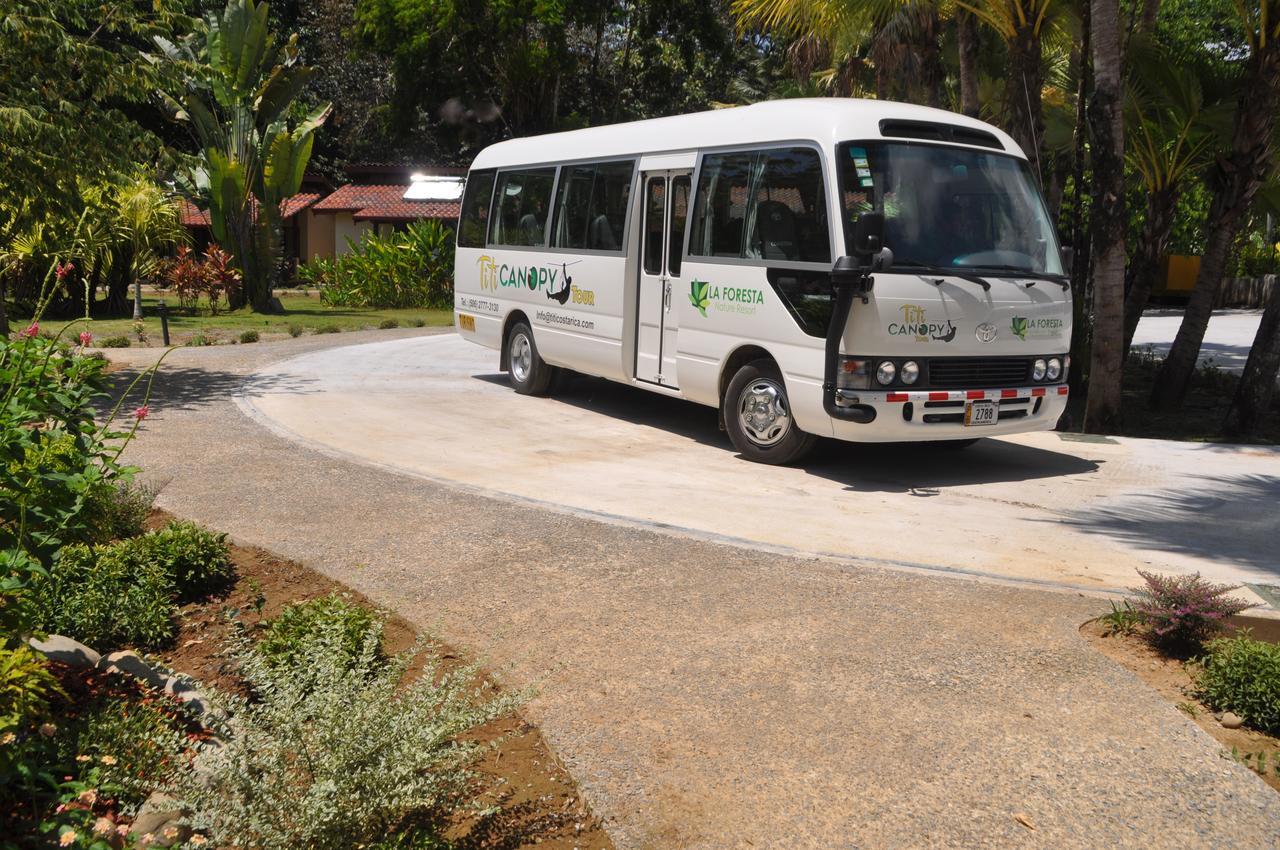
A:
{"x":1184,"y":611}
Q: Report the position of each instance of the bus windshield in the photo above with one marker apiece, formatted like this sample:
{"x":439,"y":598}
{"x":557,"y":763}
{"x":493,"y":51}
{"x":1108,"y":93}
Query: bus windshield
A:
{"x":947,"y":207}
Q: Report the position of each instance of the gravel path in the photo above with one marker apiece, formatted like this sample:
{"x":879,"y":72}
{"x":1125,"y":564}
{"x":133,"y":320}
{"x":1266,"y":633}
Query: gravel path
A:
{"x":710,"y":696}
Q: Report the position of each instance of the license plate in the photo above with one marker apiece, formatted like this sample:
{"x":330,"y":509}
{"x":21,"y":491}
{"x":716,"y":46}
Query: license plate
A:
{"x":981,"y":413}
{"x":466,"y":323}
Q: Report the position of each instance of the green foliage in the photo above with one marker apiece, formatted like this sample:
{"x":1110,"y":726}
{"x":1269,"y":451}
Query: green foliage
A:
{"x":248,"y":336}
{"x":238,"y":87}
{"x":1242,"y":675}
{"x":409,"y":269}
{"x":295,"y":331}
{"x":71,"y":78}
{"x":106,"y":597}
{"x":289,"y":635}
{"x":328,"y":329}
{"x":337,"y":752}
{"x":198,"y":561}
{"x":115,"y":342}
{"x":121,"y":511}
{"x":417,"y":323}
{"x":198,"y":340}
{"x":1122,"y":620}
{"x":388,"y":324}
{"x":26,"y":685}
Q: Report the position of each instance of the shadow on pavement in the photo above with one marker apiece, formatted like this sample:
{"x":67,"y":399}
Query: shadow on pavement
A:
{"x":186,"y":388}
{"x":868,"y":467}
{"x":1223,"y":519}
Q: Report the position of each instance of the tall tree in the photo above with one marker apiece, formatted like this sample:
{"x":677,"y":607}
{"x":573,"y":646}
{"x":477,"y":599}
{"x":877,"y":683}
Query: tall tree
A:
{"x":1251,"y":406}
{"x":236,"y":93}
{"x":1235,"y":179}
{"x":1106,"y":125}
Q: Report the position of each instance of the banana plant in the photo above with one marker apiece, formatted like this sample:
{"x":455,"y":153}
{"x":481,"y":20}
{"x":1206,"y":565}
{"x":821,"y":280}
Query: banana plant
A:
{"x":237,"y":93}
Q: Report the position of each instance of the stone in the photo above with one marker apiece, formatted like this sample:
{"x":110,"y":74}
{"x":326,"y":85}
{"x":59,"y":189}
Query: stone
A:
{"x":178,"y":685}
{"x":195,"y":701}
{"x":131,"y":664}
{"x":156,"y":824}
{"x":1231,"y":720}
{"x":66,"y":650}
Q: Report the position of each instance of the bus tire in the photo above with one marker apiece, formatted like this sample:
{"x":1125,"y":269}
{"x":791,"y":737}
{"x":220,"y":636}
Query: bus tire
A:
{"x":528,"y":373}
{"x":757,"y":415}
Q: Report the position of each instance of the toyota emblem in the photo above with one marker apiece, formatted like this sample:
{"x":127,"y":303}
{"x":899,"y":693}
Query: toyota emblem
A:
{"x":985,"y":332}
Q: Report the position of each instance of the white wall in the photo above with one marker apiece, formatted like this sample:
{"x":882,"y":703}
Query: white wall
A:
{"x":345,"y":227}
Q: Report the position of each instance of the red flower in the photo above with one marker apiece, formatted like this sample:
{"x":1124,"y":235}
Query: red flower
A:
{"x":142,"y":412}
{"x":85,"y":337}
{"x":64,"y":269}
{"x":32,"y":331}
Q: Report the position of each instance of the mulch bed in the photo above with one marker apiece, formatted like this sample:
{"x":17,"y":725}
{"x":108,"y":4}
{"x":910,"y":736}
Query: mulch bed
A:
{"x":539,"y":800}
{"x":1172,"y":681}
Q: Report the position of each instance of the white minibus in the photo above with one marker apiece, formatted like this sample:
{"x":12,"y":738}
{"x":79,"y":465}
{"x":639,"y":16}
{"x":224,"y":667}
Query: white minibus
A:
{"x":862,"y":270}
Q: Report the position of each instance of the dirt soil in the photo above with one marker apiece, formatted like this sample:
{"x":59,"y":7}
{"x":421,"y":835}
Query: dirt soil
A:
{"x":539,"y":800}
{"x":1171,"y":680}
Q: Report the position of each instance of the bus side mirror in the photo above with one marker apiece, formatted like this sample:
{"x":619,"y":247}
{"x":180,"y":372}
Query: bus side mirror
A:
{"x":868,"y":235}
{"x":1068,"y":255}
{"x":851,"y":272}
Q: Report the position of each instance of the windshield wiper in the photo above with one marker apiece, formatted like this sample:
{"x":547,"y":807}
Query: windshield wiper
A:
{"x":925,"y":270}
{"x":1018,"y":271}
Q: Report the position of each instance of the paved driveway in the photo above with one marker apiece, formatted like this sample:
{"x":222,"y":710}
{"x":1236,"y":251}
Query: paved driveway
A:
{"x":1226,"y":341}
{"x":713,"y":695}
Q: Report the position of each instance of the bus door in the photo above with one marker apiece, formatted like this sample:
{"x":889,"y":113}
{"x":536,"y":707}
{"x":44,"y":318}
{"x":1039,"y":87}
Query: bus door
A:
{"x":666,"y":209}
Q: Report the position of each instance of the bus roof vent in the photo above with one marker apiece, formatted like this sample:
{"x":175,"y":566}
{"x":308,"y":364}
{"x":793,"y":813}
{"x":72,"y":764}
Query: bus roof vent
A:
{"x":933,"y":131}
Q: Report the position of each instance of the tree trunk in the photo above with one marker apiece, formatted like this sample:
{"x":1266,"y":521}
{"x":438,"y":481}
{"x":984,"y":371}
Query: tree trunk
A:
{"x":931,"y":59}
{"x":1252,"y":403}
{"x":1023,"y":115}
{"x":1080,"y":272}
{"x":1145,"y":268}
{"x":4,"y":311}
{"x":967,"y":44}
{"x":1150,"y":11}
{"x":1235,"y":180}
{"x":1107,"y":220}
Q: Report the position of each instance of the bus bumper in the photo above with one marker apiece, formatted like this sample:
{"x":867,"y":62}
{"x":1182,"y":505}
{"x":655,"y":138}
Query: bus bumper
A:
{"x":942,"y":414}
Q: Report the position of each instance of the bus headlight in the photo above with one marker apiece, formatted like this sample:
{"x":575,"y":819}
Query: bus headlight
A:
{"x":1038,"y":369}
{"x":854,"y":374}
{"x":885,"y":372}
{"x":910,"y":372}
{"x":1055,"y":369}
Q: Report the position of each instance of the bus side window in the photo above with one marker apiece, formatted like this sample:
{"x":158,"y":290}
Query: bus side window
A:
{"x":474,"y":220}
{"x":591,"y":206}
{"x":720,"y":205}
{"x":520,"y":212}
{"x":679,"y":215}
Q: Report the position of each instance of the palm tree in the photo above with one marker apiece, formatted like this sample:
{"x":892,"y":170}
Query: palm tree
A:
{"x":148,"y":223}
{"x":1172,"y":122}
{"x":1106,"y":124}
{"x":237,"y":89}
{"x":1251,"y":404}
{"x":1235,"y":180}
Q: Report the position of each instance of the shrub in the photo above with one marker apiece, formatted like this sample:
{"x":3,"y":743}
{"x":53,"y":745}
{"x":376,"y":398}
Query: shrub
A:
{"x":388,"y":324}
{"x":106,"y":597}
{"x":413,"y":268}
{"x":248,"y":336}
{"x":213,"y":276}
{"x":115,"y":342}
{"x":289,"y":634}
{"x":197,"y":560}
{"x":417,"y":323}
{"x":337,"y":752}
{"x":121,"y":511}
{"x":25,"y":688}
{"x":295,"y":331}
{"x":1241,"y":674}
{"x":1184,"y":611}
{"x":198,"y":340}
{"x":328,"y":329}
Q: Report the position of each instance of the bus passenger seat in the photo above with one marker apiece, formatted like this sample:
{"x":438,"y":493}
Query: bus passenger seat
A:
{"x":776,"y":230}
{"x":601,"y":237}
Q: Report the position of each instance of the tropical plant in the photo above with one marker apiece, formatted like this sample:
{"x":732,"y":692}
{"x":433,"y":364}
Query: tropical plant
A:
{"x":149,"y":224}
{"x":26,"y":685}
{"x":1236,"y":177}
{"x":413,"y":268}
{"x":237,"y":90}
{"x":288,"y":636}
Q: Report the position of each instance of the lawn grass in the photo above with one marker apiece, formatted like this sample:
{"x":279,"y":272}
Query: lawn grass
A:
{"x":304,"y":311}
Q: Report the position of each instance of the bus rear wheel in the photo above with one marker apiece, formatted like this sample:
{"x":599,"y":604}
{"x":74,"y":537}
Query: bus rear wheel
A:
{"x":528,"y":372}
{"x":757,"y":415}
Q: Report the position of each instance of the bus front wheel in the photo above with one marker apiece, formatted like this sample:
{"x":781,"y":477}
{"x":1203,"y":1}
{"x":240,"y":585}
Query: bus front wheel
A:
{"x":528,"y":372}
{"x":757,"y":415}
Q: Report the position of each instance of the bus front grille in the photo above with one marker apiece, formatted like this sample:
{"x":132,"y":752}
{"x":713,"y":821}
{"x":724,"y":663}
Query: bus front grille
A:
{"x":971,"y":373}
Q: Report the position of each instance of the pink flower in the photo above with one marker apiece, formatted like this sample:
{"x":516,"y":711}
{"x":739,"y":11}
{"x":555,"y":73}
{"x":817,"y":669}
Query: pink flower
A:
{"x":85,"y":337}
{"x":64,"y":269}
{"x":142,"y":412}
{"x":31,"y":331}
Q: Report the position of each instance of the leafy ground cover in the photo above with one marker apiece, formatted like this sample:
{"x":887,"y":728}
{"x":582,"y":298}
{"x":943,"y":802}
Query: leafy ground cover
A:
{"x":303,"y":312}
